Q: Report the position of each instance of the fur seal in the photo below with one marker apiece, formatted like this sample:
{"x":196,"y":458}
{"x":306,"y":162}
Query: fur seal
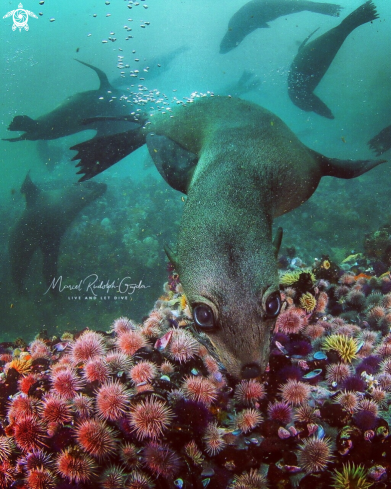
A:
{"x":381,"y":142}
{"x":314,"y":58}
{"x":47,"y":216}
{"x":257,"y":13}
{"x":67,"y":118}
{"x":240,"y":167}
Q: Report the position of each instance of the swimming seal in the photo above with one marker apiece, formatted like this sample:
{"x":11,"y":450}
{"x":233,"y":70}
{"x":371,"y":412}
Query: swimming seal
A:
{"x":314,"y":58}
{"x":381,"y":142}
{"x":257,"y":13}
{"x":67,"y":118}
{"x":240,"y":167}
{"x":47,"y":216}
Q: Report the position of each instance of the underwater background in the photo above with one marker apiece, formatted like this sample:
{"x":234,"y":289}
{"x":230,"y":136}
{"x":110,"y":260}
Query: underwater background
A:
{"x":123,"y":232}
{"x":334,"y":263}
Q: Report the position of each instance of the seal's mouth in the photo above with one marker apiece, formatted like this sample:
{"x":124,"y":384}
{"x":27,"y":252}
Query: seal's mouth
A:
{"x":205,"y":341}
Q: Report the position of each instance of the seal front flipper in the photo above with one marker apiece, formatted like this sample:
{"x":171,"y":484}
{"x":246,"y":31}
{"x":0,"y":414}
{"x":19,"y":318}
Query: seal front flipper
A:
{"x":381,"y":142}
{"x":99,"y":153}
{"x":174,"y":163}
{"x":334,"y":167}
{"x":310,"y":102}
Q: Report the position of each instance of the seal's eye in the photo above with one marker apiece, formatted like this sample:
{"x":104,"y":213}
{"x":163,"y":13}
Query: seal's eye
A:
{"x":203,"y":317}
{"x":273,"y":305}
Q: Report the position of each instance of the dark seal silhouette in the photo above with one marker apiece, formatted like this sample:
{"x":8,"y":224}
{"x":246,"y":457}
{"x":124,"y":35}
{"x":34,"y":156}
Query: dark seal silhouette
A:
{"x":382,"y":141}
{"x":67,"y":118}
{"x":257,"y":13}
{"x":314,"y":58}
{"x":47,"y":216}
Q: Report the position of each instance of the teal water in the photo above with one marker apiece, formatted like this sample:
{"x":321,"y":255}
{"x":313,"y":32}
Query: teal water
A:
{"x":123,"y":232}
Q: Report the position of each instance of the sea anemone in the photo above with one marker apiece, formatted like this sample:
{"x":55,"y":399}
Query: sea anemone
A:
{"x":150,"y":418}
{"x":111,"y":400}
{"x":308,"y":302}
{"x":314,"y":454}
{"x":345,"y":347}
{"x":295,"y":392}
{"x":351,"y":476}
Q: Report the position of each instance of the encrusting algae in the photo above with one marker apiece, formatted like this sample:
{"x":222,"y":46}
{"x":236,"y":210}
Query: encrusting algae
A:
{"x":148,"y":406}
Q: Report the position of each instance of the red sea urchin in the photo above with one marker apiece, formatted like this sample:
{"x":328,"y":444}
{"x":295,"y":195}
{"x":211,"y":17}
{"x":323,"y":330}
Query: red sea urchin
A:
{"x":150,"y":418}
{"x":199,"y":389}
{"x":130,"y":342}
{"x":295,"y":392}
{"x":248,"y":392}
{"x":111,"y":400}
{"x":89,"y":345}
{"x":40,"y":478}
{"x":161,"y":460}
{"x":96,"y":438}
{"x":66,"y":383}
{"x":75,"y":466}
{"x":29,"y":433}
{"x":56,"y":409}
{"x":182,"y":346}
{"x":314,"y":454}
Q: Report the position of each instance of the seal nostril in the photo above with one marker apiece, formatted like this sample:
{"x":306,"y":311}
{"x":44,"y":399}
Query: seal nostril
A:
{"x":251,"y":370}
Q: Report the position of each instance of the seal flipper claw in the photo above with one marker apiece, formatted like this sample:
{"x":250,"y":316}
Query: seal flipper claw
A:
{"x":99,"y":153}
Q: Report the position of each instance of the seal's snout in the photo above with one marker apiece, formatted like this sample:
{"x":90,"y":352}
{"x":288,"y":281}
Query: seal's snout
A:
{"x":251,"y":370}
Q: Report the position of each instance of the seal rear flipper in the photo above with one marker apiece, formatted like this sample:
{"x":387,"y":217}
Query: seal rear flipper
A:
{"x":104,"y":81}
{"x":99,"y":153}
{"x":318,"y":106}
{"x":381,"y":142}
{"x":174,"y":163}
{"x":334,"y":167}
